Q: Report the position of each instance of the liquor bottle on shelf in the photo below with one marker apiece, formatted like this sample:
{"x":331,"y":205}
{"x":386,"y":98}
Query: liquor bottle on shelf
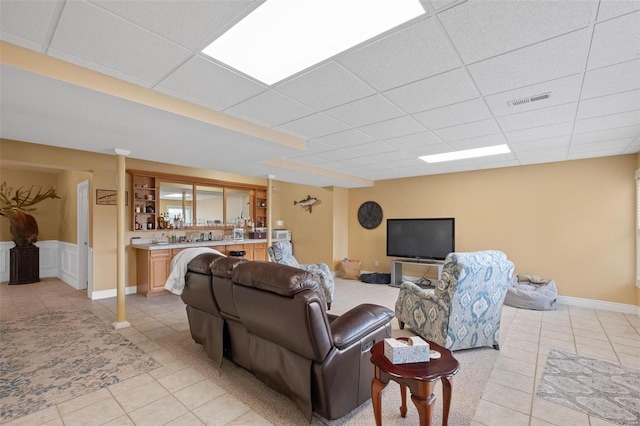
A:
{"x":137,"y":224}
{"x":150,"y":223}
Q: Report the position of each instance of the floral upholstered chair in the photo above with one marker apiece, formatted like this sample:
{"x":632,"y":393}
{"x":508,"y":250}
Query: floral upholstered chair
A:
{"x":464,"y":310}
{"x":281,"y":252}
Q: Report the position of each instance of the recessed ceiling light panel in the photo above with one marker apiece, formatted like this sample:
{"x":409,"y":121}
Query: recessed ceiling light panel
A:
{"x":283,"y":37}
{"x":467,"y":153}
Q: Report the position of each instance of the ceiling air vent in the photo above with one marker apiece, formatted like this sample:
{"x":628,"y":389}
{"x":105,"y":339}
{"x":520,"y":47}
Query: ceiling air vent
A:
{"x":530,"y":99}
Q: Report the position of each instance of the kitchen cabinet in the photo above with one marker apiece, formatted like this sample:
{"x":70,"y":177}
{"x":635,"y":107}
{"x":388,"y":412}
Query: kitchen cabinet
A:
{"x":153,"y":261}
{"x":153,"y":267}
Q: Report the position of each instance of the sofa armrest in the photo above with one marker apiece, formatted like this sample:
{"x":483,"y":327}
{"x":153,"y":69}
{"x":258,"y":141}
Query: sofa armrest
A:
{"x":358,"y":322}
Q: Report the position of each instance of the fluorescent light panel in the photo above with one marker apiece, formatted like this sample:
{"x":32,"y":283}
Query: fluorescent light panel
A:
{"x":467,"y":153}
{"x":283,"y":37}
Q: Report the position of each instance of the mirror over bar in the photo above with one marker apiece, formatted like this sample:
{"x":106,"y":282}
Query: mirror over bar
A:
{"x":184,"y":202}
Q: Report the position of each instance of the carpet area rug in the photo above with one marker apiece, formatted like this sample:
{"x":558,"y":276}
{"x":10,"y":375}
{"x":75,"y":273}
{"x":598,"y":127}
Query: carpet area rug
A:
{"x":49,"y":358}
{"x":599,"y":388}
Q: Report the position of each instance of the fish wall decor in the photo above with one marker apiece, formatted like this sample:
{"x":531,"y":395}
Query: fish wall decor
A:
{"x":308,"y":203}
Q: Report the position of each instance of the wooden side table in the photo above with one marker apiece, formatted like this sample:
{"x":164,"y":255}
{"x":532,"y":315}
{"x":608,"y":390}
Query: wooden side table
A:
{"x":419,"y":377}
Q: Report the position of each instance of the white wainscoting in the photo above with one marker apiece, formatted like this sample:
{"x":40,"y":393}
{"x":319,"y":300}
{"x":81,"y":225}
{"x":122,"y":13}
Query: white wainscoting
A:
{"x":68,"y":263}
{"x":57,"y":259}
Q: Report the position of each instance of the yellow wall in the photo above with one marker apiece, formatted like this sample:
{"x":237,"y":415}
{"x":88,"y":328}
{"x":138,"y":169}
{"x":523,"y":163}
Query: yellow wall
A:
{"x":571,"y":221}
{"x":340,"y":226}
{"x":311,"y":232}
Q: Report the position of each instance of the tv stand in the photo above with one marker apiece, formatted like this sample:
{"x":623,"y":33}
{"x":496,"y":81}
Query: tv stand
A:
{"x":396,"y":268}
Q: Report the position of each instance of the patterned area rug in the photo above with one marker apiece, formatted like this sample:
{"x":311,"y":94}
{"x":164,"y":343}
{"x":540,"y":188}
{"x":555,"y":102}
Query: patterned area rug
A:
{"x":599,"y":388}
{"x":49,"y":358}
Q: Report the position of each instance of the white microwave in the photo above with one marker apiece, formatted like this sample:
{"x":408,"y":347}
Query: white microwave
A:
{"x":281,"y":234}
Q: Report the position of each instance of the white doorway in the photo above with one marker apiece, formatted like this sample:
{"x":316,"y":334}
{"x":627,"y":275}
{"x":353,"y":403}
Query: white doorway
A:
{"x":83,"y":236}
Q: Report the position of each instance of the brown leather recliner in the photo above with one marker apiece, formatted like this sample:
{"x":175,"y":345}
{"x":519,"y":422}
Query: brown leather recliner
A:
{"x":274,"y":324}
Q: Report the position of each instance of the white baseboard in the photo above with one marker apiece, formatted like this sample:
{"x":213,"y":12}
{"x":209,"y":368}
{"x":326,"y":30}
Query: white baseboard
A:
{"x":598,"y":304}
{"x":112,"y":292}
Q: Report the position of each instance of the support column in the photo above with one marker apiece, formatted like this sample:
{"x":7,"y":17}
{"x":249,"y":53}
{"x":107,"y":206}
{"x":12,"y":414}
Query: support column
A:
{"x":121,"y":321}
{"x":269,"y":202}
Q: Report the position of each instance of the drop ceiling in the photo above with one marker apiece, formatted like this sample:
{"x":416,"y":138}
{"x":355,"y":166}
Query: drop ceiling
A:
{"x":448,"y":80}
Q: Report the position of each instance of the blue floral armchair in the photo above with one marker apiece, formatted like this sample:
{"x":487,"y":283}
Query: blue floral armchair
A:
{"x":281,"y":252}
{"x":464,"y":310}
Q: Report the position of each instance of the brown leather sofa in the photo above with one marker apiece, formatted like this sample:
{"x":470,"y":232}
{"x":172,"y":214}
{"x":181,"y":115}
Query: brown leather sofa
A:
{"x":271,"y":319}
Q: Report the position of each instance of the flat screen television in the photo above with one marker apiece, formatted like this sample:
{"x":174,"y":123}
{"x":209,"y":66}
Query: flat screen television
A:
{"x":421,"y":238}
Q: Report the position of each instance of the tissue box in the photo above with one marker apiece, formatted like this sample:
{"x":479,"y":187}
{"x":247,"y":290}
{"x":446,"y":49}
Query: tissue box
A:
{"x":414,"y":349}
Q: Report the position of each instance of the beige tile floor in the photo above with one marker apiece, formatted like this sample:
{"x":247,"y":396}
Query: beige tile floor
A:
{"x":175,"y":394}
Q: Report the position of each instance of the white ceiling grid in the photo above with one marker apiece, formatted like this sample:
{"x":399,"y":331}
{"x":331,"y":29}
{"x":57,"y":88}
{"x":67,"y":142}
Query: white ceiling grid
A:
{"x":440,"y":82}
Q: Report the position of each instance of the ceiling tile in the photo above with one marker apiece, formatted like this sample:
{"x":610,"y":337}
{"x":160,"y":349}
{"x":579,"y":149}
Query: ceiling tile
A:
{"x":615,"y":147}
{"x":113,"y":46}
{"x":357,"y":162}
{"x":313,"y":147}
{"x":606,"y":135}
{"x":325,"y":87}
{"x":612,"y":79}
{"x":563,"y":90}
{"x":433,"y":92}
{"x":410,"y":141}
{"x":634,"y":147}
{"x":562,"y":141}
{"x":386,"y":156}
{"x":206,"y":19}
{"x":411,"y":54}
{"x":365,"y":111}
{"x":271,"y":109}
{"x":479,"y":142}
{"x":451,"y":115}
{"x":313,"y":126}
{"x":507,"y":158}
{"x":395,"y":127}
{"x":324,"y":157}
{"x":610,"y":8}
{"x":371,"y":148}
{"x":334,"y":165}
{"x":497,"y":164}
{"x":543,"y":156}
{"x":481,"y":29}
{"x":615,"y":41}
{"x":611,"y":104}
{"x":623,"y":119}
{"x":346,"y":138}
{"x":465,"y":131}
{"x":547,"y":60}
{"x":458,"y":166}
{"x":439,"y":4}
{"x":538,"y":117}
{"x":436,"y":148}
{"x":543,"y":132}
{"x":208,"y":83}
{"x":26,"y":23}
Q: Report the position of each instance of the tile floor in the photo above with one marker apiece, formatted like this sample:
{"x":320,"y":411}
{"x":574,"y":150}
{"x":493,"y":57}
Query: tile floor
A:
{"x":177,"y":395}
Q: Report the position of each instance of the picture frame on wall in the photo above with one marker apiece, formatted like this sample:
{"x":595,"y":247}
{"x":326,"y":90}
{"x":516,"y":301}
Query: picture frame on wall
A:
{"x":107,"y":197}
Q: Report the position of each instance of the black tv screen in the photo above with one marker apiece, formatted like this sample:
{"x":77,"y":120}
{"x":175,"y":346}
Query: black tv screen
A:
{"x":421,"y":238}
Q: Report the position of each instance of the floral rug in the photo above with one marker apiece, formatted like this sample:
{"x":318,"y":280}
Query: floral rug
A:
{"x":49,"y":358}
{"x":596,"y":387}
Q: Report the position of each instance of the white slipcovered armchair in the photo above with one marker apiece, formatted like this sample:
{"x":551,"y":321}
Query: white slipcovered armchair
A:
{"x":465,"y":308}
{"x":282,"y":252}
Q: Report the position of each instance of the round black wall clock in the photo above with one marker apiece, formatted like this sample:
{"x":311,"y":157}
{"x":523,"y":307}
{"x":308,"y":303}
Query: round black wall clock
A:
{"x":370,"y":215}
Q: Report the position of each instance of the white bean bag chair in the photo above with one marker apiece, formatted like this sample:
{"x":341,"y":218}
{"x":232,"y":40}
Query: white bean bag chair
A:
{"x":531,"y":292}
